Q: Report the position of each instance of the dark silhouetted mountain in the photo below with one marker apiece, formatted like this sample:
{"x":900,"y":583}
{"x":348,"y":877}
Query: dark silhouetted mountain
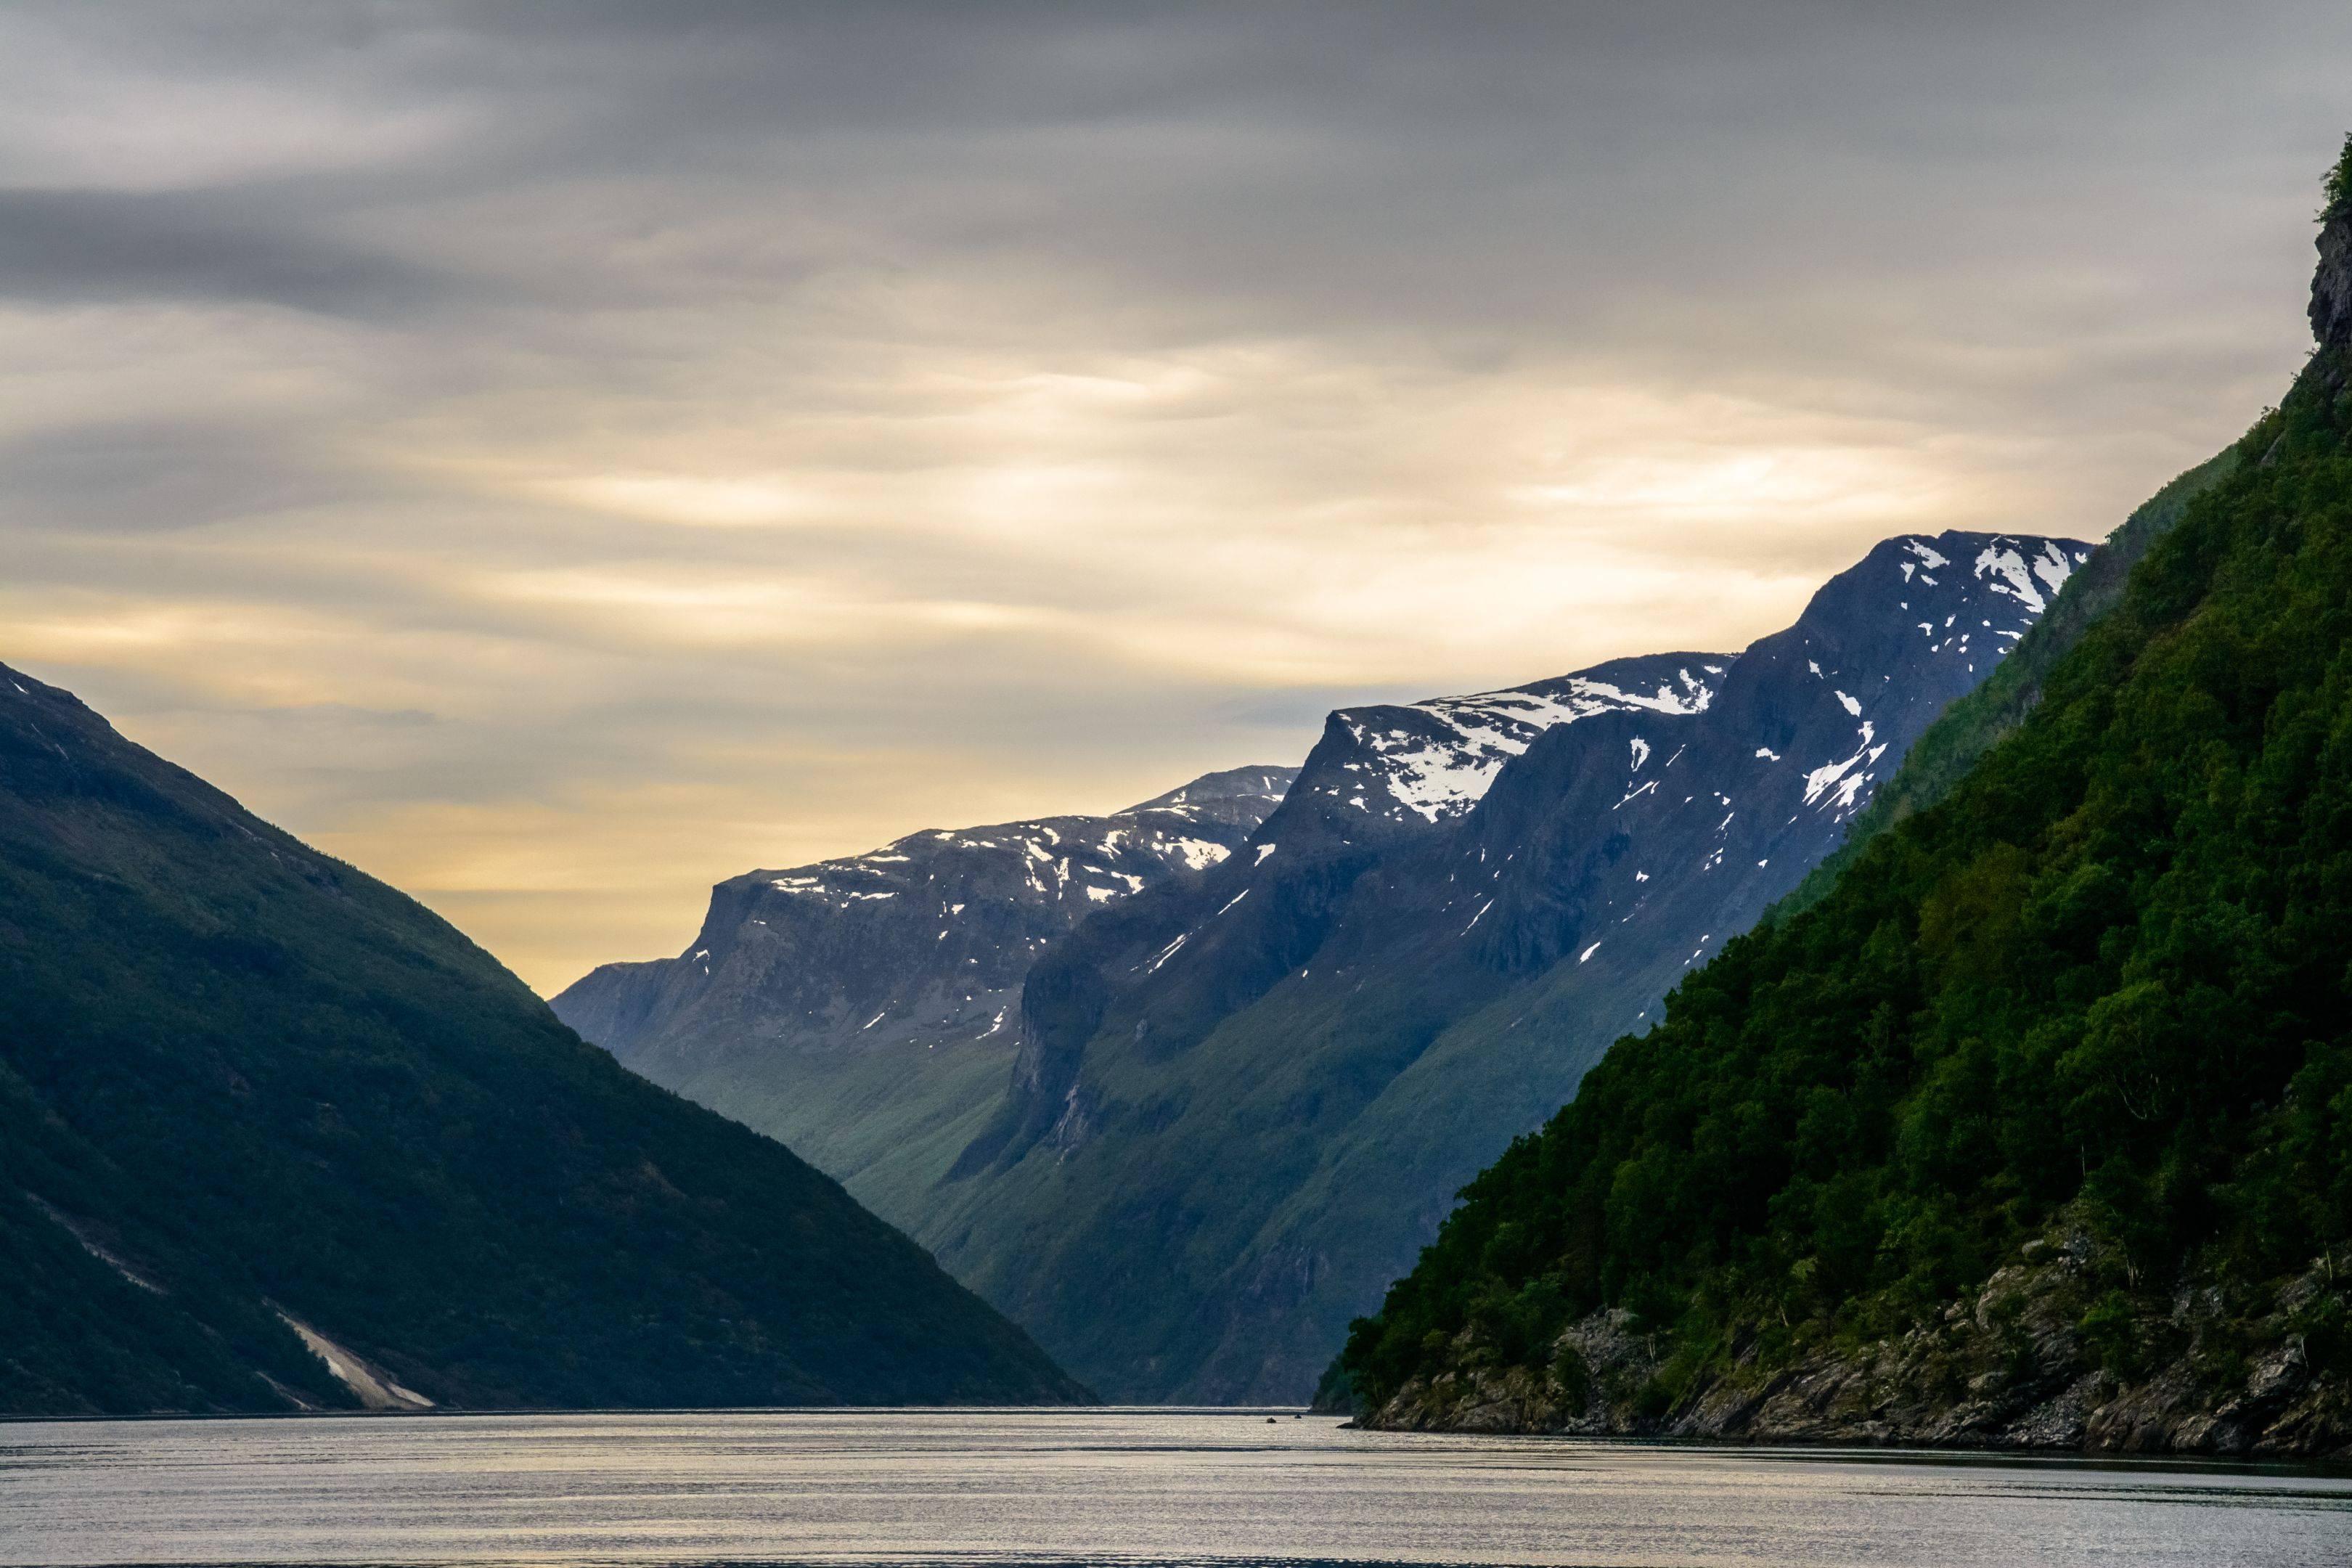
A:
{"x":273,"y":1135}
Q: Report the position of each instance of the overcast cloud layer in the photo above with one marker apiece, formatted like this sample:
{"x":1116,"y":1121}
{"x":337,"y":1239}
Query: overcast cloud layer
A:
{"x":557,"y":457}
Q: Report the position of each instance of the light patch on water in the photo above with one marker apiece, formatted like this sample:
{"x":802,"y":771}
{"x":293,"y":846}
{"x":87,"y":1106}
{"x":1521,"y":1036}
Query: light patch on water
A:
{"x":1064,"y":1487}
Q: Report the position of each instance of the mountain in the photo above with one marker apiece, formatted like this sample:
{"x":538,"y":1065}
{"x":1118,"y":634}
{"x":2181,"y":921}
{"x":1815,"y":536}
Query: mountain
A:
{"x":1394,"y":767}
{"x":1974,"y":722}
{"x":863,"y":1010}
{"x":1186,"y":1136}
{"x":273,"y":1136}
{"x":2035,"y":1126}
{"x":1381,"y":781}
{"x":1244,"y":1102}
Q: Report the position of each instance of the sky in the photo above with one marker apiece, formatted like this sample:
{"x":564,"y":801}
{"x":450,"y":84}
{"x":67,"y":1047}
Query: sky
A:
{"x":558,"y":456}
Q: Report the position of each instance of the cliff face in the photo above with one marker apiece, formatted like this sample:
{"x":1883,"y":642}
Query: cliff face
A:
{"x":2331,"y":285}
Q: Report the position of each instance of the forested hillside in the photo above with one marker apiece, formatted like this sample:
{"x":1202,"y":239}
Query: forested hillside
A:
{"x":2037,"y":1126}
{"x":274,"y":1136}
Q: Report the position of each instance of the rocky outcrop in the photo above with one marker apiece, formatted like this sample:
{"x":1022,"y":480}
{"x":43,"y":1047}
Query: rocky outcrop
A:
{"x":2331,"y":285}
{"x":2044,"y":1356}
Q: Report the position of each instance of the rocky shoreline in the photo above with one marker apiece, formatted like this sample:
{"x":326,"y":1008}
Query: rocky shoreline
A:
{"x":2039,"y":1357}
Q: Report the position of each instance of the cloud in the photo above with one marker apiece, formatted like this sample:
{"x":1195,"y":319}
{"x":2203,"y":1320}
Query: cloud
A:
{"x":560,"y":458}
{"x":143,"y":475}
{"x":77,"y":247}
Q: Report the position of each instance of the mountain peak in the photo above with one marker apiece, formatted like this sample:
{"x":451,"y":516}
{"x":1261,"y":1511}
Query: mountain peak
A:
{"x":1960,"y":595}
{"x":1414,"y":764}
{"x":1252,"y":790}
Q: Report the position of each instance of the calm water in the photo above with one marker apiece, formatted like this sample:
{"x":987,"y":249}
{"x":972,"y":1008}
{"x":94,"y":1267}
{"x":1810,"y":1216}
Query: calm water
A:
{"x":1121,"y":1487}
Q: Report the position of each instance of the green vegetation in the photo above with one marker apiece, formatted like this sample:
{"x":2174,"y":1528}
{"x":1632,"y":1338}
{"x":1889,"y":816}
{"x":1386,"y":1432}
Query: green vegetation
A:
{"x":238,"y":1079}
{"x":886,"y":1121}
{"x":2097,"y":975}
{"x":2338,"y":203}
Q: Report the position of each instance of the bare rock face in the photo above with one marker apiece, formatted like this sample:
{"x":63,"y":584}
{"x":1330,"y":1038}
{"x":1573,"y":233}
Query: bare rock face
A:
{"x":2331,"y":285}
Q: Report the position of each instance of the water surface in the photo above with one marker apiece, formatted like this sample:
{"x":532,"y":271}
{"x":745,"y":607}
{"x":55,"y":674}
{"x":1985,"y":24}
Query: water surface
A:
{"x":1094,"y":1486}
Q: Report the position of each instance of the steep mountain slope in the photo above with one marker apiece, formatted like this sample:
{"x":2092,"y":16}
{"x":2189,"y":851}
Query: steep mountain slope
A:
{"x":273,"y":1135}
{"x":1973,"y":724}
{"x":862,"y":1010}
{"x":2037,"y":1127}
{"x":1242,"y":1103}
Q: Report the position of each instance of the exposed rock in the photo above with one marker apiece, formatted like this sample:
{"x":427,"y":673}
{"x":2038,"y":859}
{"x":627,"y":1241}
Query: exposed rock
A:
{"x":2007,"y":1367}
{"x":2331,"y":285}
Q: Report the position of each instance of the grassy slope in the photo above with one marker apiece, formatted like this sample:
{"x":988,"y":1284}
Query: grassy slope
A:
{"x":266,"y":1081}
{"x":888,"y":1120}
{"x":2105,"y":974}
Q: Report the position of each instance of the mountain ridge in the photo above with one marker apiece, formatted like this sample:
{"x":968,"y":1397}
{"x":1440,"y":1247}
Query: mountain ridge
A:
{"x":273,"y":1136}
{"x":1247,"y":1098}
{"x":888,"y":984}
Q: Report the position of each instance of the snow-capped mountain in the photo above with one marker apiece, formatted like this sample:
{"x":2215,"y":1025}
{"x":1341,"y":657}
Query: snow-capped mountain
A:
{"x":1305,"y":1053}
{"x":920,"y":945}
{"x":1182,"y":1088}
{"x":1430,"y":762}
{"x":1713,"y":820}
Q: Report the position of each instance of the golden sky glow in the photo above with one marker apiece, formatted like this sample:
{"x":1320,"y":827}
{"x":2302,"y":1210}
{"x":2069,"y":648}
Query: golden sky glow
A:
{"x":557,"y":459}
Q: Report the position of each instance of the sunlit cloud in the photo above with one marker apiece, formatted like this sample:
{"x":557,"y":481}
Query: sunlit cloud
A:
{"x":558,"y":463}
{"x":683,"y":499}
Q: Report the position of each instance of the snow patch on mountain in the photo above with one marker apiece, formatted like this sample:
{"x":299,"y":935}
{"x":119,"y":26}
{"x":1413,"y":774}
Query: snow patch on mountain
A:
{"x":925,"y":938}
{"x":2011,"y":582}
{"x":1421,"y":764}
{"x":1442,"y":769}
{"x":1097,"y":859}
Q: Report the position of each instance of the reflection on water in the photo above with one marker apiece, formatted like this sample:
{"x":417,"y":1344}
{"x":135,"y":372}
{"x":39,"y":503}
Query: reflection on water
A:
{"x":1095,"y":1486}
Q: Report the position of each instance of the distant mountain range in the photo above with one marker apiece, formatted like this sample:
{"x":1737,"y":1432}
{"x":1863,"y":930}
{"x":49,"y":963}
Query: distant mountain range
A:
{"x":1230,"y":1103}
{"x":866,"y":1010}
{"x":274,"y":1137}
